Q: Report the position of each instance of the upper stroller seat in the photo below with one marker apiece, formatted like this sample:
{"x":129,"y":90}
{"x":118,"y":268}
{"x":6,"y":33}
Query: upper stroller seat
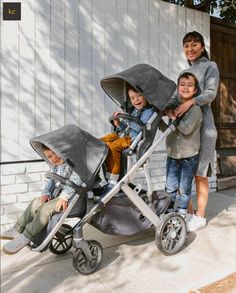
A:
{"x":157,"y":89}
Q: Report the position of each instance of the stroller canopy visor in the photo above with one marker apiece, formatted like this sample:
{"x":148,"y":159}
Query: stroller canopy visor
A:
{"x":150,"y":82}
{"x":79,"y":149}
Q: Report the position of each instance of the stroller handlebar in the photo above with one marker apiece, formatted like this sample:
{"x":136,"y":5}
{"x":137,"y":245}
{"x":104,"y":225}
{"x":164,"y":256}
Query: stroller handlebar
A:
{"x":126,"y":116}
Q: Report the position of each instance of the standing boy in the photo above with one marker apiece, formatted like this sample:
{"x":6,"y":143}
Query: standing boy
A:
{"x":182,"y":146}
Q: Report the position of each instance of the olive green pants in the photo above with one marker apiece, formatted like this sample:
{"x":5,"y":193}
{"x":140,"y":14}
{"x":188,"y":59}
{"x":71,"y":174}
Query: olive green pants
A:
{"x":36,"y":217}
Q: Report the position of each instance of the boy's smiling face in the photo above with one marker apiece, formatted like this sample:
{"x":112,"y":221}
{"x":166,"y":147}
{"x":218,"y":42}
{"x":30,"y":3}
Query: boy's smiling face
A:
{"x":137,"y":100}
{"x":53,"y":158}
{"x":187,"y":88}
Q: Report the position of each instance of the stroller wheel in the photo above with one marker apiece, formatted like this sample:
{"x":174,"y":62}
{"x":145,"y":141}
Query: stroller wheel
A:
{"x":171,"y":235}
{"x":82,"y":264}
{"x":61,"y":242}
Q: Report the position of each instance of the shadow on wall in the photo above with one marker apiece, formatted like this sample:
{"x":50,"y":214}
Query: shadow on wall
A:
{"x":60,"y":51}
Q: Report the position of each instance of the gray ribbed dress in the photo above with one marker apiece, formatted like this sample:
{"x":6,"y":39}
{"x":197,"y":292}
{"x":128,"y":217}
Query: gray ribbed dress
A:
{"x":207,"y":74}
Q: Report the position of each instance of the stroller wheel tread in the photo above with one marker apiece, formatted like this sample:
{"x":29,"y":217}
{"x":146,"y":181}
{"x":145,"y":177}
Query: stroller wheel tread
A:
{"x":82,"y":264}
{"x":61,"y":243}
{"x":171,"y":235}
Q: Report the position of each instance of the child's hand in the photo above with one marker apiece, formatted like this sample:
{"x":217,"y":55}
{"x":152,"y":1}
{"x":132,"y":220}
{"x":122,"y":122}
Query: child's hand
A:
{"x":116,"y":121}
{"x":61,"y":205}
{"x":44,"y":198}
{"x":170,"y":114}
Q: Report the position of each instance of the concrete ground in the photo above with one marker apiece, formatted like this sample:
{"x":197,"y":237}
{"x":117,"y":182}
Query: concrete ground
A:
{"x":136,"y":265}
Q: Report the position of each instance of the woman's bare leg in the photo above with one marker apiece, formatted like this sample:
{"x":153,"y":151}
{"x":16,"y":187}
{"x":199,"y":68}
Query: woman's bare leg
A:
{"x":202,"y":188}
{"x":190,"y":207}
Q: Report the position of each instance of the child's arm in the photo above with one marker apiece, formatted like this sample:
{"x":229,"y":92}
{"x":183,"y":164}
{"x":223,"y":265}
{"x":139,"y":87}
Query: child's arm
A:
{"x":190,"y":120}
{"x":67,"y":191}
{"x":49,"y":187}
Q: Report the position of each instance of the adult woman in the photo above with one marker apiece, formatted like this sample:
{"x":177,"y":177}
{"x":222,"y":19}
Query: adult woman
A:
{"x":207,"y":74}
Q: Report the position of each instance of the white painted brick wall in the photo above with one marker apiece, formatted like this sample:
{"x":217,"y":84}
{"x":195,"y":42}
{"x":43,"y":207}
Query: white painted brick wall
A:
{"x":22,"y":182}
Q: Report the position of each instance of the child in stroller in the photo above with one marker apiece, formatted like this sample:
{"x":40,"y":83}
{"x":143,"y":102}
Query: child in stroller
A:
{"x":54,"y":199}
{"x":125,"y":134}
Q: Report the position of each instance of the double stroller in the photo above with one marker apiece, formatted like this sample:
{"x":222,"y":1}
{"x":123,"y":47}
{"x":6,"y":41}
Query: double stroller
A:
{"x":128,"y":208}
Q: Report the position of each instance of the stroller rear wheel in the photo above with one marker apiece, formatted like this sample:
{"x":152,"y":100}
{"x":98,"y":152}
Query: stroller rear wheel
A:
{"x":85,"y":266}
{"x":61,"y":242}
{"x":171,"y":235}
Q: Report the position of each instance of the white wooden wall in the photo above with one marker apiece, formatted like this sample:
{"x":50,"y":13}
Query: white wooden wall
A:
{"x":53,"y":59}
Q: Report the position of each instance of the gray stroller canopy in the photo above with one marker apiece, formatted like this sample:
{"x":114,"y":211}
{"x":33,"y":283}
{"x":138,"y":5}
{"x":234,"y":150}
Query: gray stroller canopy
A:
{"x":150,"y":82}
{"x":79,"y":149}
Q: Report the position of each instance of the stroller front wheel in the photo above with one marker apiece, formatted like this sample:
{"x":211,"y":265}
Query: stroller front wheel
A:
{"x":171,"y":235}
{"x":61,"y":242}
{"x":85,"y":266}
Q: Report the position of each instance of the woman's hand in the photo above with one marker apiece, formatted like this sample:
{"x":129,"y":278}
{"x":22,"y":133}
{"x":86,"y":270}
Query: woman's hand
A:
{"x":44,"y":198}
{"x":179,"y":111}
{"x":61,"y":205}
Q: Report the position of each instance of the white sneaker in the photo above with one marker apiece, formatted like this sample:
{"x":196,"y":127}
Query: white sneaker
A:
{"x":16,"y":244}
{"x":185,"y":215}
{"x":9,"y":234}
{"x":196,"y":223}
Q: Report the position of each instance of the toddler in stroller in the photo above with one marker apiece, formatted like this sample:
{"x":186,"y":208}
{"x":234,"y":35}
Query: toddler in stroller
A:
{"x":58,"y":198}
{"x":54,"y":199}
{"x":125,"y":134}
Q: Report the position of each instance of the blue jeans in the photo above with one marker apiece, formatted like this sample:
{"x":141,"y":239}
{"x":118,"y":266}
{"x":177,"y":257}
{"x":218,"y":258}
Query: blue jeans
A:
{"x":179,"y":178}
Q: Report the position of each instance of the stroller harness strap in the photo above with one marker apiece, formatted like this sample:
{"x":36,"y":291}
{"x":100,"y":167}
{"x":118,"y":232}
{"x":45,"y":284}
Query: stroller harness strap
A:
{"x":59,"y":188}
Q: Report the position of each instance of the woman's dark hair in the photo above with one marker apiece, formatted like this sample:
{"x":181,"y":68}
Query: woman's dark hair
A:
{"x":187,"y":75}
{"x":196,"y":37}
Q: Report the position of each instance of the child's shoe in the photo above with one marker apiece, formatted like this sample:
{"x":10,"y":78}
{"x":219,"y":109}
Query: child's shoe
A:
{"x":16,"y":244}
{"x":9,"y":234}
{"x":107,"y":189}
{"x":196,"y":223}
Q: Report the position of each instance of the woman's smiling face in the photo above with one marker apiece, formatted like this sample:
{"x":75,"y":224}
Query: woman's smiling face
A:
{"x":193,"y":50}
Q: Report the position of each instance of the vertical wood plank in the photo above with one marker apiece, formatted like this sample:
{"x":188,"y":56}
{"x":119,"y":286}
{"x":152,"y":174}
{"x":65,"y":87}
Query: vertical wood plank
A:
{"x":153,"y":31}
{"x":122,"y":34}
{"x":143,"y":40}
{"x":71,"y":63}
{"x":98,"y":66}
{"x":132,"y":36}
{"x":173,"y":70}
{"x":9,"y":90}
{"x":182,"y":30}
{"x":163,"y":38}
{"x":57,"y":63}
{"x":42,"y":67}
{"x":85,"y":64}
{"x":206,"y":30}
{"x":26,"y":78}
{"x":111,"y":54}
